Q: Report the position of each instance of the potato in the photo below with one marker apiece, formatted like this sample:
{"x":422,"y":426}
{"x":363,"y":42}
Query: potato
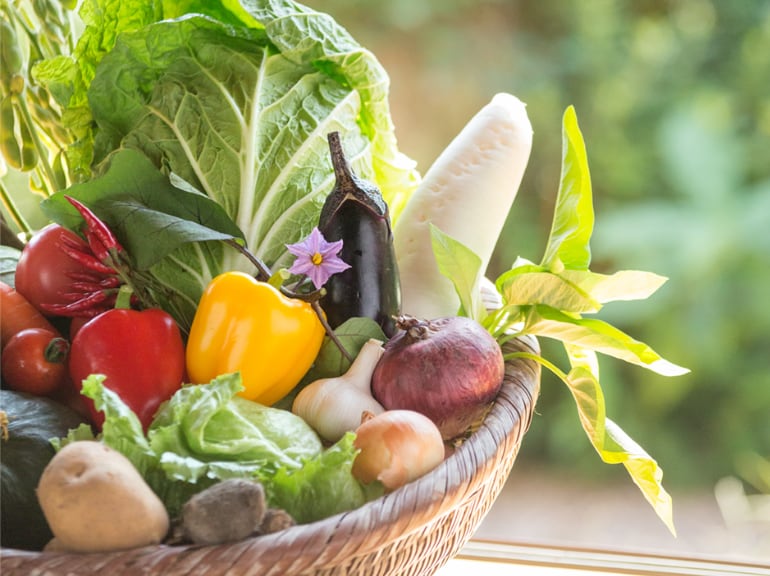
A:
{"x":228,"y":511}
{"x":95,"y":500}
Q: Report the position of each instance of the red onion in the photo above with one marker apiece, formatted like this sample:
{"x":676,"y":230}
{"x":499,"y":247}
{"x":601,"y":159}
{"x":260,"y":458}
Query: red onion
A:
{"x":449,"y":369}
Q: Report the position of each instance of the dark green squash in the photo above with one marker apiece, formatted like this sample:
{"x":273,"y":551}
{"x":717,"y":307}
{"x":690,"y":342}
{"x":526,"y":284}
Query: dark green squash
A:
{"x":25,"y":450}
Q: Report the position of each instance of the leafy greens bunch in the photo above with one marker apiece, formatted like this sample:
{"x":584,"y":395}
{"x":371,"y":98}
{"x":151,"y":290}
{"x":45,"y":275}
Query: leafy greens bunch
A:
{"x":198,"y":121}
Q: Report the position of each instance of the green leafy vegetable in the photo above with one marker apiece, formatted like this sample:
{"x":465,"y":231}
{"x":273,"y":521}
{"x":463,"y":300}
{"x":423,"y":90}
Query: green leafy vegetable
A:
{"x":235,"y":100}
{"x":549,"y":300}
{"x":68,"y":76}
{"x":172,"y":233}
{"x":463,"y":267}
{"x":206,"y":433}
{"x":324,"y":486}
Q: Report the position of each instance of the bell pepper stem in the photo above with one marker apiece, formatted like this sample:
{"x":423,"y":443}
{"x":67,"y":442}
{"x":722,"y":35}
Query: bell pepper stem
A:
{"x":123,"y":299}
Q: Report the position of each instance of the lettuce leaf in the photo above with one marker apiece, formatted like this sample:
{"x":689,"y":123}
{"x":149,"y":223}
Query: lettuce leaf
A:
{"x":206,"y":433}
{"x":324,"y":486}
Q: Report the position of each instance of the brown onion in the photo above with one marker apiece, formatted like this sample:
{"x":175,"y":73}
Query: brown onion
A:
{"x":396,"y":447}
{"x":449,"y":369}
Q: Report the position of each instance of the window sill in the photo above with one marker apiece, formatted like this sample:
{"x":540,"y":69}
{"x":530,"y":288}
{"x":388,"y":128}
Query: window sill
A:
{"x":503,"y":559}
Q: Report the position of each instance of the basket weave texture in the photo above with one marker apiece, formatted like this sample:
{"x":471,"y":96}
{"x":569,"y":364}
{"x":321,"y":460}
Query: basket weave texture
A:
{"x":412,"y":531}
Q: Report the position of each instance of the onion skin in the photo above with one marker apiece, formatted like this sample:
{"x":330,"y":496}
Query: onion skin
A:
{"x":396,"y":447}
{"x":449,"y":369}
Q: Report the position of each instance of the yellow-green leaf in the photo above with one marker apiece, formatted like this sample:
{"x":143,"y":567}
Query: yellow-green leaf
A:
{"x":463,"y":267}
{"x":597,"y":335}
{"x":544,"y":287}
{"x":622,"y":285}
{"x":613,"y":445}
{"x":573,"y":219}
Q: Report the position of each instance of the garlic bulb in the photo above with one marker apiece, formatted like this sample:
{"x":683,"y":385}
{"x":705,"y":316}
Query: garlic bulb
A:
{"x":333,"y":406}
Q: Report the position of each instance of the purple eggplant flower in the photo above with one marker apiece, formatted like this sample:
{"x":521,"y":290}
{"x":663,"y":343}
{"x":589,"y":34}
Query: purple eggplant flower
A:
{"x":316,"y":258}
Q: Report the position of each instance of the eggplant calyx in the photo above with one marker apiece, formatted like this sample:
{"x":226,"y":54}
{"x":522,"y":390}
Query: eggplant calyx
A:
{"x":349,"y":187}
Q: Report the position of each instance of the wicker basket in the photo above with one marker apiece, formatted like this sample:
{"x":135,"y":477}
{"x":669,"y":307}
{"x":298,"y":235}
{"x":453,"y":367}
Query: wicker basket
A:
{"x":412,"y":531}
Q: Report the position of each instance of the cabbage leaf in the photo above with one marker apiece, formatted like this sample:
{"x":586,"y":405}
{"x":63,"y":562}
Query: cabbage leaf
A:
{"x":236,"y":100}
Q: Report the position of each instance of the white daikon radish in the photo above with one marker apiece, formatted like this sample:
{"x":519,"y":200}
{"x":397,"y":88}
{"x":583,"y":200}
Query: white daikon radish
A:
{"x":467,"y":193}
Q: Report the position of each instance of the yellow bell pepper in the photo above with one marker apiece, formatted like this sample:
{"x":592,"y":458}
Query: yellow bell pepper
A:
{"x":243,"y":325}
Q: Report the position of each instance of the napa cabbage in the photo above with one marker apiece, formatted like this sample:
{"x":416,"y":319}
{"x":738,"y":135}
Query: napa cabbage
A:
{"x":232,"y":101}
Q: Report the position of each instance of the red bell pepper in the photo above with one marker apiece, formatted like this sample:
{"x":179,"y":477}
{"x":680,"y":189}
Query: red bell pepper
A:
{"x":141,"y":353}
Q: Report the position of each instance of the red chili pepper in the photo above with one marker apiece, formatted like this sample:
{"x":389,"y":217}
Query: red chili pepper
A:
{"x":87,"y":260}
{"x":95,"y":289}
{"x":83,"y":304}
{"x":141,"y":353}
{"x":100,"y":238}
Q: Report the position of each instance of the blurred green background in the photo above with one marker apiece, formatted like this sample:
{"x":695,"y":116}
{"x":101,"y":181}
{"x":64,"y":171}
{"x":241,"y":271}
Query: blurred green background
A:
{"x":673,"y":97}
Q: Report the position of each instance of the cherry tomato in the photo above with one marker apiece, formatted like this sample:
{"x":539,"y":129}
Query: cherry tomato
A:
{"x":44,"y":272}
{"x":35,"y":361}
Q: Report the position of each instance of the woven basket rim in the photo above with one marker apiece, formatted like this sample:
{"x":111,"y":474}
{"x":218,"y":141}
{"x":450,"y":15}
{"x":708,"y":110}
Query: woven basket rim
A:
{"x":359,"y":532}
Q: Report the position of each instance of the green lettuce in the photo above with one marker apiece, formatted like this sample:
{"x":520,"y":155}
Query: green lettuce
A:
{"x":323,"y":487}
{"x":206,"y":433}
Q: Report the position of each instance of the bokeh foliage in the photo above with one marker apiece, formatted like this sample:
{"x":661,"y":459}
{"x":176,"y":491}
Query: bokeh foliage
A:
{"x":673,"y":97}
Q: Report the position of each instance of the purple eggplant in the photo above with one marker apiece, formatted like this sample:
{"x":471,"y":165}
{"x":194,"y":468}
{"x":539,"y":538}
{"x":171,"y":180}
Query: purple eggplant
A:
{"x":356,"y":213}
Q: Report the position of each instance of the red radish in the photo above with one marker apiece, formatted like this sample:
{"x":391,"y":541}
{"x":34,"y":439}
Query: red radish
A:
{"x":449,"y":369}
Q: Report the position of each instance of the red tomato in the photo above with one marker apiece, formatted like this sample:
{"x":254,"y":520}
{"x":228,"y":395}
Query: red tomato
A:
{"x":35,"y":361}
{"x":43,"y":272}
{"x":76,"y":324}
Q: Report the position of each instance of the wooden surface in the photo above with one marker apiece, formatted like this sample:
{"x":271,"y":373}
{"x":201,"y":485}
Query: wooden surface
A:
{"x":509,"y":559}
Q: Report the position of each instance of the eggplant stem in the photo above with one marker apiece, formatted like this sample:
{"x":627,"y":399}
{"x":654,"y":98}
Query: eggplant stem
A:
{"x":340,"y":164}
{"x":329,"y":331}
{"x":264,"y":274}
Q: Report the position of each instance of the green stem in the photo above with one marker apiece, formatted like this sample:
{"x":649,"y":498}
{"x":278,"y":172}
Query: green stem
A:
{"x":14,"y":212}
{"x":123,"y":301}
{"x":42,"y":150}
{"x":330,"y":332}
{"x":537,"y":358}
{"x":265,"y":275}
